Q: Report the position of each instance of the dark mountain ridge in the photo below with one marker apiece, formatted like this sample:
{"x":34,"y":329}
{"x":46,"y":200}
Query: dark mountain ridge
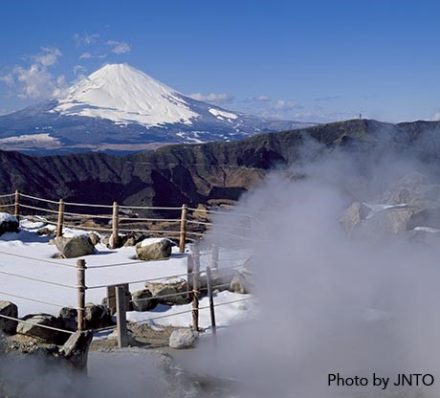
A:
{"x":197,"y":173}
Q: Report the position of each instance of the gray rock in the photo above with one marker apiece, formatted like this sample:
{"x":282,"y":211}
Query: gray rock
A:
{"x":8,"y":223}
{"x":160,"y":291}
{"x":143,"y":300}
{"x":8,"y":309}
{"x":31,"y":328}
{"x":76,"y":246}
{"x":159,"y":250}
{"x":45,"y":231}
{"x":75,"y":350}
{"x":183,"y":338}
{"x":239,"y":284}
{"x":94,"y":238}
{"x":97,"y":316}
{"x":68,"y":317}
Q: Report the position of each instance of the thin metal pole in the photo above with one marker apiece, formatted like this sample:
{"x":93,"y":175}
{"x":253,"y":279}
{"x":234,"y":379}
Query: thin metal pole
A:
{"x":211,"y":300}
{"x":195,"y":301}
{"x":17,"y":205}
{"x":182,"y":237}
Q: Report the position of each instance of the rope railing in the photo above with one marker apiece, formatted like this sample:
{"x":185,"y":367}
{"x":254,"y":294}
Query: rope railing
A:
{"x":33,"y":300}
{"x":29,"y":278}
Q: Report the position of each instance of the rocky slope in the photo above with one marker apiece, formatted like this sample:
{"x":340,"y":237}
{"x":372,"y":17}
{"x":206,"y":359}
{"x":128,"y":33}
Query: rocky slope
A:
{"x":196,"y":173}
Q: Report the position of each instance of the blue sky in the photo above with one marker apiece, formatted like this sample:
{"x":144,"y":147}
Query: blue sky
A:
{"x":306,"y":60}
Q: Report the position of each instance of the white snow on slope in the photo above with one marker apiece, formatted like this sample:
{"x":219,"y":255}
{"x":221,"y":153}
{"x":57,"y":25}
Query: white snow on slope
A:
{"x":123,"y":94}
{"x":51,"y":298}
{"x":219,"y":114}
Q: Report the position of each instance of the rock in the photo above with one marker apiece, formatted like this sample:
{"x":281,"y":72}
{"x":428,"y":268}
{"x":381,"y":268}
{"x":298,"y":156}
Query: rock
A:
{"x":46,"y":231}
{"x":183,"y":338}
{"x":76,"y":246}
{"x":164,"y":289}
{"x":133,"y":238}
{"x":31,"y":328}
{"x":94,"y":238}
{"x":143,"y":300}
{"x":8,"y":223}
{"x":68,"y":317}
{"x":239,"y":284}
{"x":75,"y":350}
{"x":97,"y":316}
{"x":201,"y":213}
{"x":154,"y":249}
{"x":354,"y":215}
{"x":8,"y":309}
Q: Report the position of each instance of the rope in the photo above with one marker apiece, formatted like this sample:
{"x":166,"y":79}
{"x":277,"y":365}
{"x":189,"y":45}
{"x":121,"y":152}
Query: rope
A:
{"x":150,"y":208}
{"x":137,"y":220}
{"x":37,"y":259}
{"x":39,"y":208}
{"x":38,"y":199}
{"x":88,"y":215}
{"x":88,"y":205}
{"x":11,"y":205}
{"x":36,"y":324}
{"x":7,"y":195}
{"x":30,"y":299}
{"x":38,"y":280}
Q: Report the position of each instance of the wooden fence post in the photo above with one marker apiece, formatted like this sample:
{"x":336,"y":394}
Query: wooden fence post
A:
{"x":114,"y":241}
{"x":121,"y":317}
{"x":17,"y":204}
{"x":81,"y":288}
{"x":182,"y":238}
{"x":211,"y":299}
{"x":60,"y":219}
{"x":195,"y":298}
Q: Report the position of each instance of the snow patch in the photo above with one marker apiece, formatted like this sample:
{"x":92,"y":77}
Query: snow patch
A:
{"x":219,"y":114}
{"x":6,"y":217}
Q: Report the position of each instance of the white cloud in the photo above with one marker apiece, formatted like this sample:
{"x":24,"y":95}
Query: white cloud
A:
{"x":436,"y":117}
{"x":48,"y":56}
{"x":85,"y":55}
{"x":36,"y":81}
{"x":261,"y":98}
{"x":119,"y":47}
{"x":283,"y":105}
{"x":84,"y":39}
{"x":79,"y":70}
{"x":216,"y":98}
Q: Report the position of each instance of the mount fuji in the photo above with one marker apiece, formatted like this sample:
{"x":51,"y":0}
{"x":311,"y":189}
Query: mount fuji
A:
{"x":121,"y":109}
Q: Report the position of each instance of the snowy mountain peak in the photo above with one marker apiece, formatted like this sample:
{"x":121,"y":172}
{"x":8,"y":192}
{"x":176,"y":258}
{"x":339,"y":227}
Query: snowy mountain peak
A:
{"x":123,"y":94}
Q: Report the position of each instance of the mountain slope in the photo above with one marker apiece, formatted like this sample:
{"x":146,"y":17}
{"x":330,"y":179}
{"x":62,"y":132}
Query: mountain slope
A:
{"x":120,"y":108}
{"x":192,"y":174}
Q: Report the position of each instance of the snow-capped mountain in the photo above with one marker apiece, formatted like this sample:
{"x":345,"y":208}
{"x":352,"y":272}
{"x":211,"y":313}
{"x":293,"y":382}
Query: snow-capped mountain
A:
{"x":119,"y":108}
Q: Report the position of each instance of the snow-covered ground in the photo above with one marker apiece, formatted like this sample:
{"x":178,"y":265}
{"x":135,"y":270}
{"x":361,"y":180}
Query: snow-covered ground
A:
{"x":52,"y":297}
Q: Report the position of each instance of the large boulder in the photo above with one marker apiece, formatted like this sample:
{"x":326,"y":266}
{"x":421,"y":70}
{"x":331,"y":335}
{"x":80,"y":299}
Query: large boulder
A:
{"x":154,"y":249}
{"x":96,"y":317}
{"x":31,"y":326}
{"x":75,"y":350}
{"x":170,"y":293}
{"x":7,"y":308}
{"x":183,"y":338}
{"x":94,"y":238}
{"x":143,"y":300}
{"x":8,"y":223}
{"x":76,"y":246}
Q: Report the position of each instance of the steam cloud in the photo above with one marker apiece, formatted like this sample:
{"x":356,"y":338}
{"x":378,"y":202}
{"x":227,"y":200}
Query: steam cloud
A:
{"x":330,"y":300}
